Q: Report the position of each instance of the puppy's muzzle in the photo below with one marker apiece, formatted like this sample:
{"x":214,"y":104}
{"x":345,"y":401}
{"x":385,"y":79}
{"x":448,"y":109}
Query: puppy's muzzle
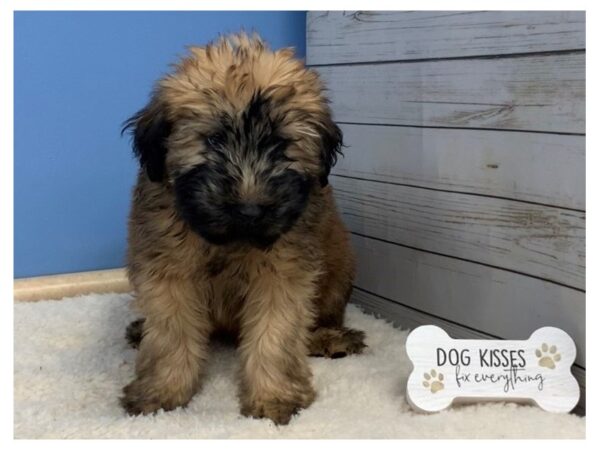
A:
{"x":250,"y":213}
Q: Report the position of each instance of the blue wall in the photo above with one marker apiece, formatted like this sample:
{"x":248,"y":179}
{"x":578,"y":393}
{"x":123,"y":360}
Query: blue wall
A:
{"x":78,"y":75}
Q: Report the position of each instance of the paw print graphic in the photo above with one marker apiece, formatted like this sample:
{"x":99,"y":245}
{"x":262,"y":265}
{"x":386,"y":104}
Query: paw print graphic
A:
{"x":433,"y":381}
{"x":547,"y":356}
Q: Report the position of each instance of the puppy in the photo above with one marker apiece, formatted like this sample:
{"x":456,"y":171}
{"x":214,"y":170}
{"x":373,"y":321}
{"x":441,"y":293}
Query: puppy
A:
{"x":233,"y":228}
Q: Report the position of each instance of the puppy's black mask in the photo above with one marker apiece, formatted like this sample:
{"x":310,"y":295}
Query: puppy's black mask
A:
{"x":219,"y":220}
{"x":249,"y":146}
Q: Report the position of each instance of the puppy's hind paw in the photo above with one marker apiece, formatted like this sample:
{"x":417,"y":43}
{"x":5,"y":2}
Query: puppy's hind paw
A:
{"x":336,"y":342}
{"x":134,"y":331}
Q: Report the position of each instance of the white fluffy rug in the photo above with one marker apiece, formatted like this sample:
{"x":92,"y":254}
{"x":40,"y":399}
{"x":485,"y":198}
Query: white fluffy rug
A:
{"x":71,"y":360}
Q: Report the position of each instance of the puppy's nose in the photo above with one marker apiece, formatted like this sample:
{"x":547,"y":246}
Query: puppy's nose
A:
{"x":250,"y":211}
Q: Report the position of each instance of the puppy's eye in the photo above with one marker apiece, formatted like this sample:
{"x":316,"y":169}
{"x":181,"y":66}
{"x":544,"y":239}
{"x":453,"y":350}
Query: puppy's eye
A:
{"x":215,"y":140}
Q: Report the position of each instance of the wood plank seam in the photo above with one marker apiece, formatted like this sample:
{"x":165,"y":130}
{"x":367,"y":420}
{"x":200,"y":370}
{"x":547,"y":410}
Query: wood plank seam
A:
{"x":442,"y":127}
{"x":541,"y":93}
{"x":474,"y":194}
{"x":514,"y":166}
{"x":432,"y":252}
{"x":491,"y":336}
{"x":451,"y":58}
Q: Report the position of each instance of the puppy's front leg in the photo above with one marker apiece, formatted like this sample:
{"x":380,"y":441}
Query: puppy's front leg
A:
{"x":276,"y":316}
{"x":173,"y":350}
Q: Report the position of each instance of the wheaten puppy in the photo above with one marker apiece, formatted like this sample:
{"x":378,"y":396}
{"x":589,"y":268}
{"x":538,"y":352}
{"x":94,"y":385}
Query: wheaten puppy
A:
{"x":233,"y":228}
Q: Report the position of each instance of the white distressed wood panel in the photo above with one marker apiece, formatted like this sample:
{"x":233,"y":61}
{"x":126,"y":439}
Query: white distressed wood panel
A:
{"x":502,"y":303}
{"x":532,"y":93}
{"x":439,"y":171}
{"x":542,"y":241}
{"x":535,"y":167}
{"x":409,"y":318}
{"x":337,"y":37}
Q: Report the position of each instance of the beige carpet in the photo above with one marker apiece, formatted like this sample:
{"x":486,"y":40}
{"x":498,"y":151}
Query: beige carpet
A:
{"x":71,"y":360}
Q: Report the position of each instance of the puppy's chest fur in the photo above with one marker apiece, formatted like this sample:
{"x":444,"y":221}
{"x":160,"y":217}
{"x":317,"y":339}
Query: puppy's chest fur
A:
{"x":228,"y":277}
{"x":232,"y":273}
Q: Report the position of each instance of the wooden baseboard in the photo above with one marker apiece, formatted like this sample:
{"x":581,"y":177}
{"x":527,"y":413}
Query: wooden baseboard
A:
{"x":54,"y":287}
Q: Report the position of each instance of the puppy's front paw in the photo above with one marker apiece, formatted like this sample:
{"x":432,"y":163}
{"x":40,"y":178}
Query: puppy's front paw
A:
{"x":279,"y":411}
{"x":139,"y":399}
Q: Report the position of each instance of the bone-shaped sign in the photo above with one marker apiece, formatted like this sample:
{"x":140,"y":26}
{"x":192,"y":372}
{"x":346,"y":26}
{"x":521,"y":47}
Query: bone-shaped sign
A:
{"x":535,"y":370}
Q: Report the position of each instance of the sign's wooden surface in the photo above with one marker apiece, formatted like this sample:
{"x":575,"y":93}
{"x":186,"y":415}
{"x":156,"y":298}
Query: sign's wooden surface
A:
{"x":534,"y":370}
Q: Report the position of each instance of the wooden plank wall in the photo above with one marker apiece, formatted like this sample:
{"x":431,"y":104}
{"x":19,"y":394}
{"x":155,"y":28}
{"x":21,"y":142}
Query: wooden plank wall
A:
{"x":463,"y":183}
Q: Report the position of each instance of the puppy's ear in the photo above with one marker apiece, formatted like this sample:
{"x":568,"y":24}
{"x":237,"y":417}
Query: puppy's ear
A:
{"x":331,"y":147}
{"x":150,"y":129}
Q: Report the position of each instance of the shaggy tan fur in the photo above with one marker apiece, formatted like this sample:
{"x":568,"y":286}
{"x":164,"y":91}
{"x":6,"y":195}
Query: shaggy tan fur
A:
{"x":281,"y":303}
